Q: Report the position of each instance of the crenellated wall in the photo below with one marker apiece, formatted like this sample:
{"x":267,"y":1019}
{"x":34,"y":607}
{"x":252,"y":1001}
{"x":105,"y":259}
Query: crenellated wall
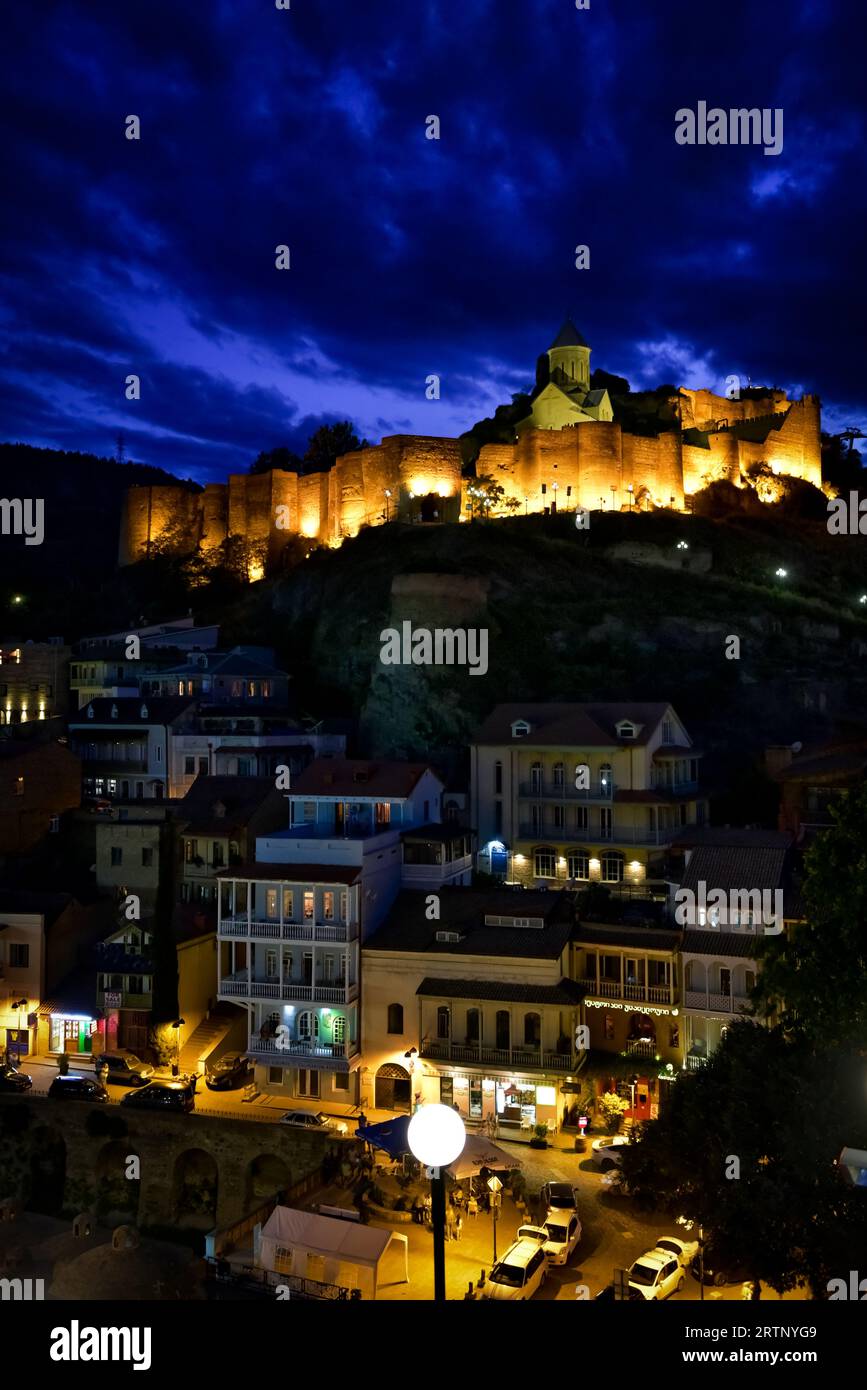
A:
{"x":406,"y":475}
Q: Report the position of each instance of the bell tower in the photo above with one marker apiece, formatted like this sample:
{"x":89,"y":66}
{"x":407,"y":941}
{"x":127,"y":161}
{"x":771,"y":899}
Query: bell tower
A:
{"x":569,"y":358}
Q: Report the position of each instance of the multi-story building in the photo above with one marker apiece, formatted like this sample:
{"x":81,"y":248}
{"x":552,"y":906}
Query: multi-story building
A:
{"x":473,"y":1008}
{"x":22,"y":978}
{"x":812,"y":779}
{"x":222,"y":678}
{"x":290,"y":924}
{"x":33,"y":681}
{"x":217,"y":824}
{"x":246,"y":741}
{"x":124,"y":968}
{"x":756,"y":872}
{"x":181,"y":634}
{"x":124,"y":746}
{"x":128,"y":848}
{"x":570,"y":794}
{"x":630,"y":980}
{"x":38,"y":782}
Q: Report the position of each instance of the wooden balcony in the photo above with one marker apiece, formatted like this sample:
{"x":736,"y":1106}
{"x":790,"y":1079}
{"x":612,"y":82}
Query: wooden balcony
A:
{"x":715,"y":1003}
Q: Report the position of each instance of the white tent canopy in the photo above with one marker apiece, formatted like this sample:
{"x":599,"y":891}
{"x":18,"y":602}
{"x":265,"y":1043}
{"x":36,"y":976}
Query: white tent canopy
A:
{"x":479,"y":1153}
{"x":325,"y":1248}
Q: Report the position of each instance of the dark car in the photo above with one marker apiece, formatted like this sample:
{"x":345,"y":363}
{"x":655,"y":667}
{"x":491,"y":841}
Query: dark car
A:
{"x":13,"y":1080}
{"x":718,"y":1269}
{"x":72,"y":1087}
{"x":124,"y":1068}
{"x":607,"y":1295}
{"x":162,"y":1095}
{"x":230,"y":1071}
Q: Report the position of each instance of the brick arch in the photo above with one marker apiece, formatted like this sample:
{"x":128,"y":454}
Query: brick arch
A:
{"x":195,"y":1188}
{"x":115,"y":1192}
{"x":266,"y":1175}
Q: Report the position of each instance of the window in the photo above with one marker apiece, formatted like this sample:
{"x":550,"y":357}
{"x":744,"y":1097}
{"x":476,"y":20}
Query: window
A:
{"x":605,"y":822}
{"x":116,"y":856}
{"x":608,"y":1024}
{"x":344,"y":905}
{"x":544,"y":489}
{"x":287,"y":904}
{"x":536,"y":777}
{"x":308,"y":1082}
{"x":582,"y":817}
{"x":474,"y":1026}
{"x":579,"y":866}
{"x":382,"y":813}
{"x":189,"y":767}
{"x":308,"y":906}
{"x":271,"y":903}
{"x":275,"y":1076}
{"x":559,"y":776}
{"x":329,"y":969}
{"x":532,"y":1030}
{"x":520,"y":728}
{"x":503,"y":1030}
{"x":498,"y":778}
{"x":328,"y":905}
{"x":19,"y":955}
{"x":498,"y":818}
{"x":667,"y":731}
{"x":338,"y":1031}
{"x":559,"y":817}
{"x":308,"y":1026}
{"x":203,"y":765}
{"x":444,"y":1022}
{"x":395,"y":1018}
{"x":612,"y":868}
{"x":217,"y":854}
{"x":271,"y":964}
{"x":544,"y":863}
{"x":340,"y":1081}
{"x":147,"y":858}
{"x":605,"y":777}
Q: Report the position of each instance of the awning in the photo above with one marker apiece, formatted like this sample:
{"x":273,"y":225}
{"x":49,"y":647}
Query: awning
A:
{"x":390,"y":1135}
{"x":479,"y":1153}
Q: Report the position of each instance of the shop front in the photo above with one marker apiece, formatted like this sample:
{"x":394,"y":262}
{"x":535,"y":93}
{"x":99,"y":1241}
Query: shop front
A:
{"x":516,"y":1103}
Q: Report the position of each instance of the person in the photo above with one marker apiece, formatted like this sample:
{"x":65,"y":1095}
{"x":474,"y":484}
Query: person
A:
{"x":102,"y":1071}
{"x":428,"y":1218}
{"x":450,"y":1223}
{"x":418,"y":1210}
{"x":459,"y":1227}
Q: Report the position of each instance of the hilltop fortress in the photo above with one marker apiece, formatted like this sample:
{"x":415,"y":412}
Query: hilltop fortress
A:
{"x":569,"y":451}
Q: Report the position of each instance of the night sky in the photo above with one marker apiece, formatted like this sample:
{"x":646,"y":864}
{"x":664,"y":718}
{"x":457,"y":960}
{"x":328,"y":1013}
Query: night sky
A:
{"x":412,"y":256}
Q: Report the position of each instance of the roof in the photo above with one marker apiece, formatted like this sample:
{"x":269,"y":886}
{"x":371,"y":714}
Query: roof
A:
{"x":160,"y":709}
{"x":463,"y":910}
{"x":23,"y":747}
{"x":724,"y":836}
{"x":718,"y":943}
{"x":347,"y":1241}
{"x":595,"y":397}
{"x":340,"y":777}
{"x":294,"y":873}
{"x":568,"y":337}
{"x":732,"y":867}
{"x":76,"y":993}
{"x":220,"y":664}
{"x":832,"y":762}
{"x":240,"y":796}
{"x":618,"y":934}
{"x":565,"y":993}
{"x":573,"y":725}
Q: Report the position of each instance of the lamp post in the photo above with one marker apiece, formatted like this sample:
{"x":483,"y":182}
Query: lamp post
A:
{"x":613,"y":497}
{"x":495,"y":1186}
{"x":18,"y":1005}
{"x":630,"y":490}
{"x":176,"y":1064}
{"x":554,"y":488}
{"x":411,"y":508}
{"x":409,"y":1058}
{"x":436,"y":1136}
{"x":387,"y":500}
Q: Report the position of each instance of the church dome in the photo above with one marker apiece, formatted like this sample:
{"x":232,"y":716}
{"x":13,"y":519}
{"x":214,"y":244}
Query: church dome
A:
{"x":568,"y":337}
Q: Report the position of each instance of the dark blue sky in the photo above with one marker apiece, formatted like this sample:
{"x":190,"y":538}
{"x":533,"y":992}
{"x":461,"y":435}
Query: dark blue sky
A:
{"x":412,"y":256}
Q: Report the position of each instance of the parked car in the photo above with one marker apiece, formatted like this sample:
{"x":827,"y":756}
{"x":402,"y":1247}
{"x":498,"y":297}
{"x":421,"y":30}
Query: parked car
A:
{"x":718,"y":1269}
{"x":72,"y":1087}
{"x":311,"y":1119}
{"x":11,"y":1079}
{"x":124,"y":1068}
{"x":560,"y":1233}
{"x":604,"y":1152}
{"x":162,"y":1095}
{"x":231,"y":1070}
{"x":559,"y":1197}
{"x":657,"y":1275}
{"x":520,"y":1273}
{"x":684,"y":1251}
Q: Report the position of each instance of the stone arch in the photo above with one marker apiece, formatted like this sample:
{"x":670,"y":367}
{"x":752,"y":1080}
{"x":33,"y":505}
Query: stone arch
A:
{"x":195,"y":1189}
{"x":392,"y":1088}
{"x":47,"y":1171}
{"x":117,"y":1196}
{"x":266,"y":1176}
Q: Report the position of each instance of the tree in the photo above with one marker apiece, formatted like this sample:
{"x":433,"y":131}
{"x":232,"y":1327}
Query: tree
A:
{"x":328,"y":443}
{"x":280,"y":458}
{"x":814,"y":977}
{"x":488,"y":494}
{"x":746,"y":1148}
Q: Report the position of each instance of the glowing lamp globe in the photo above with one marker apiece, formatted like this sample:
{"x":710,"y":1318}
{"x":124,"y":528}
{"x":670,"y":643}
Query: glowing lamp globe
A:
{"x":436,"y":1135}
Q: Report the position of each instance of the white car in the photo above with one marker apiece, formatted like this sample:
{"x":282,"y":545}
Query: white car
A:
{"x":605,"y":1151}
{"x":657,"y":1275}
{"x":310,"y":1119}
{"x":560,"y":1234}
{"x":684,"y":1251}
{"x":520,"y":1273}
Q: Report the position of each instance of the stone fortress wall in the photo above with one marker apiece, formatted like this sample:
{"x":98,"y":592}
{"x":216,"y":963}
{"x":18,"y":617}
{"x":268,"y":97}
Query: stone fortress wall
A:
{"x":592,"y":464}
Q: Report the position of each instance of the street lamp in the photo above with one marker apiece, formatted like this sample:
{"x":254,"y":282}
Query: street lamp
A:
{"x":630,"y":489}
{"x":436,"y":1136}
{"x":387,"y":499}
{"x":409,"y":1058}
{"x":17,"y":1005}
{"x":554,"y":487}
{"x":411,"y":500}
{"x":496,"y":1187}
{"x":176,"y":1064}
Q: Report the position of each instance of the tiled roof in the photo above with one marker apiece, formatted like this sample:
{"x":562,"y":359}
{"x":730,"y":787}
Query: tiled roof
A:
{"x":718,"y":943}
{"x":723,"y":837}
{"x":241,"y":797}
{"x":340,"y":777}
{"x":572,"y":725}
{"x":568,"y":337}
{"x":567,"y":992}
{"x":463,"y":910}
{"x":618,"y":934}
{"x":735,"y":867}
{"x":160,"y":710}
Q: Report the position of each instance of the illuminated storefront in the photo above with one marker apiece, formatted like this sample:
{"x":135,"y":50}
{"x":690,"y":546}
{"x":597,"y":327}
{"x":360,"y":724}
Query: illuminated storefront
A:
{"x":516,"y":1102}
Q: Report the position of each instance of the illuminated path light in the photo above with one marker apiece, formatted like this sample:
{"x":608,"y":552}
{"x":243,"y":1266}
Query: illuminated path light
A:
{"x":436,"y":1135}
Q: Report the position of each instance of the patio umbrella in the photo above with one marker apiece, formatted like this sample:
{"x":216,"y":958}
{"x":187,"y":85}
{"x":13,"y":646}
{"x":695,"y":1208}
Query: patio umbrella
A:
{"x":390,"y":1135}
{"x":479,"y":1153}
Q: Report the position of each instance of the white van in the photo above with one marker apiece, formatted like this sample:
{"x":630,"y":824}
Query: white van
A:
{"x":520,"y":1272}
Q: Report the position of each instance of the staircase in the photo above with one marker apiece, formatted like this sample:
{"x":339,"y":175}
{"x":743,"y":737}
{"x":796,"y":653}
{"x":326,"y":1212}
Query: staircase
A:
{"x":202,"y":1042}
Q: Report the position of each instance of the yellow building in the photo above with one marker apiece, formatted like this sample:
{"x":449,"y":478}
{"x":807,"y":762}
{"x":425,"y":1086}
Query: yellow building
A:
{"x":567,"y":398}
{"x":564,"y":795}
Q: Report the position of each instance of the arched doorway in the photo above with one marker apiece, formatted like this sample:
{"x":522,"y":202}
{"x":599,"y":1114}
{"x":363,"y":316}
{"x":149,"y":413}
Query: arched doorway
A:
{"x":117,"y":1193}
{"x":266,"y":1176}
{"x":430,"y":507}
{"x":393,"y":1088}
{"x":194,"y":1189}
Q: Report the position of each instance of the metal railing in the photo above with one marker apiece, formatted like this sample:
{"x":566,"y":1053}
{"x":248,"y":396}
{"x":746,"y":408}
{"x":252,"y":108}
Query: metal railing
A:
{"x":597,"y":835}
{"x":240,"y":987}
{"x":548,"y":790}
{"x":715,"y":1003}
{"x":258,"y":929}
{"x":531,"y":1058}
{"x":639,"y":994}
